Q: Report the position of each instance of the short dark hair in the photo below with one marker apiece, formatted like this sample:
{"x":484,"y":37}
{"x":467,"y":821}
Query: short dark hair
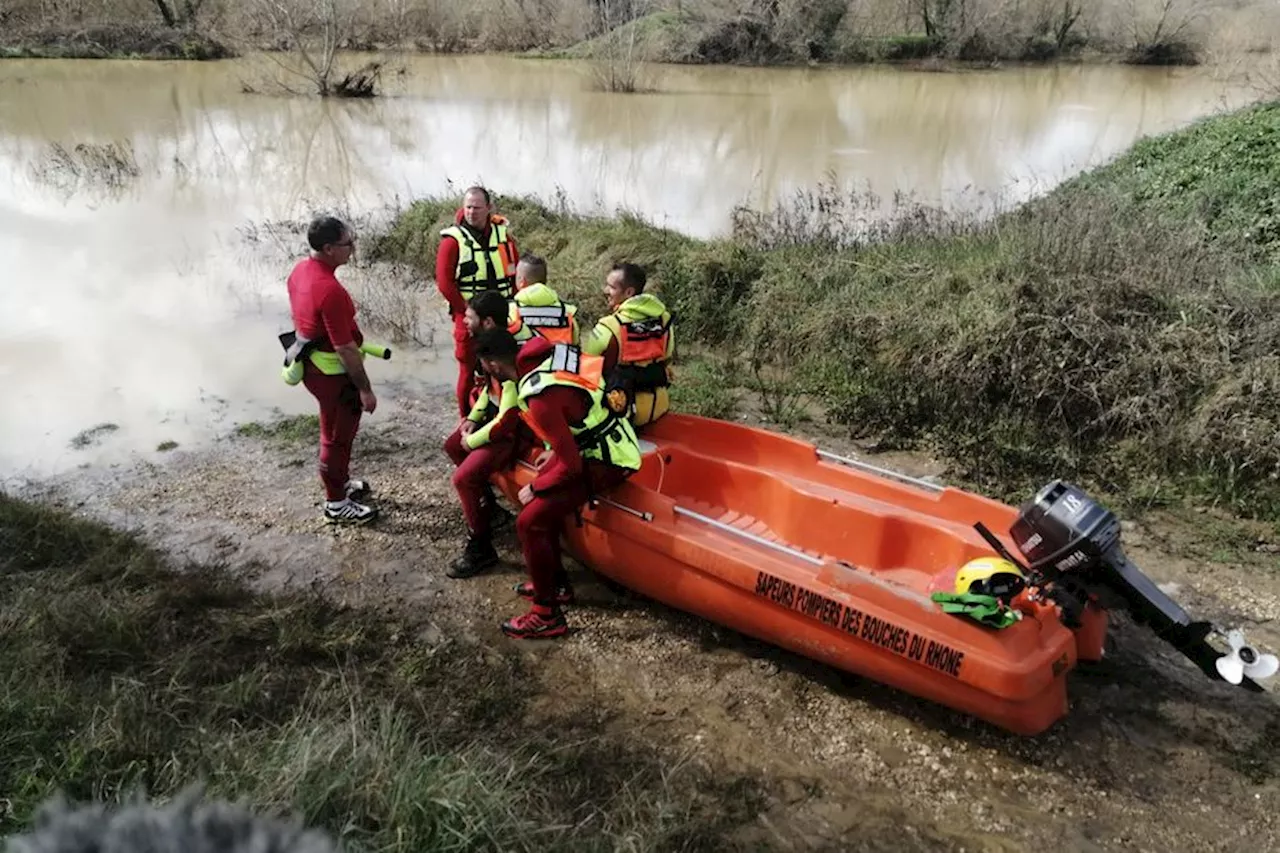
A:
{"x":325,"y":230}
{"x":497,"y":345}
{"x":537,"y":268}
{"x":491,"y":304}
{"x":478,"y":189}
{"x":633,"y":276}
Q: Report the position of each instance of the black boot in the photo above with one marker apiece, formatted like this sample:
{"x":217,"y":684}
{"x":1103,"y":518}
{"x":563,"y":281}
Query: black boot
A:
{"x":478,"y":556}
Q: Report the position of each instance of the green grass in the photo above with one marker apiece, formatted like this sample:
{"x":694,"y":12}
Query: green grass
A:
{"x":92,"y":435}
{"x":117,"y":672}
{"x":704,"y":387}
{"x":1222,"y":174}
{"x":285,"y":430}
{"x":1123,"y":331}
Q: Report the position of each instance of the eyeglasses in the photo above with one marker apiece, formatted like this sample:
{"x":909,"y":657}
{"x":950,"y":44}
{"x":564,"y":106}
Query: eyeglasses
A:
{"x":347,"y":245}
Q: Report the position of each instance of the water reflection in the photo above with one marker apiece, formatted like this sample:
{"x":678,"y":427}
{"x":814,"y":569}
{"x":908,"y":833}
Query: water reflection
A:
{"x":142,"y":300}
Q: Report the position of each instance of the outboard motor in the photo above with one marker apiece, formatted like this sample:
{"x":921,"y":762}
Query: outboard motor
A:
{"x":1072,"y":545}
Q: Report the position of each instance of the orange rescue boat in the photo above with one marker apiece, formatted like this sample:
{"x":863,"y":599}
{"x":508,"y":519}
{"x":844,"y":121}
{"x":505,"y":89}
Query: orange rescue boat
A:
{"x":836,"y":560}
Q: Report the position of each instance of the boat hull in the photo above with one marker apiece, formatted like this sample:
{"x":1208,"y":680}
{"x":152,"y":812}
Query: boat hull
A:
{"x":698,"y":529}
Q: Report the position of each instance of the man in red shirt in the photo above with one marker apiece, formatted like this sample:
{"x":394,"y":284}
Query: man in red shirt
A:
{"x":324,"y":314}
{"x":476,"y":253}
{"x":561,"y":399}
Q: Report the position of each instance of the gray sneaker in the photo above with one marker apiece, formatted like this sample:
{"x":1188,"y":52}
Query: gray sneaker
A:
{"x":348,"y":511}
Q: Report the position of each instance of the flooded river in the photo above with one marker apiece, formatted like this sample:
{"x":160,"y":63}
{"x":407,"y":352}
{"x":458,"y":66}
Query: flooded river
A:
{"x":144,"y":280}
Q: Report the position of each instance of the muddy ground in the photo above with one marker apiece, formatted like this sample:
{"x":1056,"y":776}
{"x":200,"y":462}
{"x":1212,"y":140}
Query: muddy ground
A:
{"x":1152,"y":757}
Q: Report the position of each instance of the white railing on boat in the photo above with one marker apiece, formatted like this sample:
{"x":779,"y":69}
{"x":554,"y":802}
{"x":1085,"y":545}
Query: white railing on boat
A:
{"x":884,"y":472}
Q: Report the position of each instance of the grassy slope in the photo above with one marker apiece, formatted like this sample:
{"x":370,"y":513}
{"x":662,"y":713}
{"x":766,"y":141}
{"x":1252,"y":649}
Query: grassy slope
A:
{"x":1122,"y":331}
{"x":117,"y":672}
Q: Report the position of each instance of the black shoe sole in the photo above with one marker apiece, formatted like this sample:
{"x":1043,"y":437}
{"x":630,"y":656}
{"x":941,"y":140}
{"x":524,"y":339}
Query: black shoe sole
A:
{"x":471,"y":571}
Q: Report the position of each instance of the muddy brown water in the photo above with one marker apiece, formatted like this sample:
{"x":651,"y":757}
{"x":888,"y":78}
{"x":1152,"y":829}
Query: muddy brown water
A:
{"x":144,"y":283}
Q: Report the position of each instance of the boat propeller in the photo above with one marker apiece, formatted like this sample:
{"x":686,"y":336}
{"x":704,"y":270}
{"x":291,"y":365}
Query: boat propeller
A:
{"x":1245,"y":660}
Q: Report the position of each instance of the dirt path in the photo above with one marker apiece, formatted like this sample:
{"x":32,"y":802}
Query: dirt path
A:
{"x":1153,"y":756}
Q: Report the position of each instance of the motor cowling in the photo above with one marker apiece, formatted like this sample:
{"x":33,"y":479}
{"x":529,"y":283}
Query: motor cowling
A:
{"x":1062,"y":530}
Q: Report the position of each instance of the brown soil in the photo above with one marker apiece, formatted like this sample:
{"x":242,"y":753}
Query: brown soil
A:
{"x":1153,"y":756}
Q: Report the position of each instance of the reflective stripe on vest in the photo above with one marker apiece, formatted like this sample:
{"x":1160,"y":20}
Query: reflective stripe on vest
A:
{"x":553,"y":322}
{"x":602,"y":436}
{"x":483,"y":268}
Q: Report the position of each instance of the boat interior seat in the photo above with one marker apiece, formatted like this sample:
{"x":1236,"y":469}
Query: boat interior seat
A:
{"x":698,"y":482}
{"x":874,"y":506}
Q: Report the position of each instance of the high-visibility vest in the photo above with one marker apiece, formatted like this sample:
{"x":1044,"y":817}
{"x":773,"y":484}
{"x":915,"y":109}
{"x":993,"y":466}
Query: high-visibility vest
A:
{"x":602,"y":435}
{"x":491,"y":267}
{"x":556,"y":322}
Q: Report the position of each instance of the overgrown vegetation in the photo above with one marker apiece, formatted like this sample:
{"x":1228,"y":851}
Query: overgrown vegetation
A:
{"x":106,"y":167}
{"x":1123,"y":331}
{"x":294,"y":428}
{"x":705,"y":387}
{"x":116,"y":672}
{"x":109,"y":40}
{"x":92,"y":435}
{"x":618,"y":35}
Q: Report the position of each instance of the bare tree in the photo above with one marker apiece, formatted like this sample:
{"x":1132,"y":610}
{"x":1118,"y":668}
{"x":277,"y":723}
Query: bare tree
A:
{"x":618,"y":57}
{"x":939,"y":16}
{"x":175,"y":15}
{"x":1161,"y":30}
{"x":1068,"y":15}
{"x":311,"y":32}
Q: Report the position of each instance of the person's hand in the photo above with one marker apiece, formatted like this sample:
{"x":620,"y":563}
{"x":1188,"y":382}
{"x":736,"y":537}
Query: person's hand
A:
{"x":526,"y":495}
{"x":368,"y":401}
{"x":468,"y":426}
{"x":543,"y":458}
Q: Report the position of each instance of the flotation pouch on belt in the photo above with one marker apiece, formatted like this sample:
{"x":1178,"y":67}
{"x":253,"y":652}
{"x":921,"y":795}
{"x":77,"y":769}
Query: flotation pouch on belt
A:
{"x":299,"y":350}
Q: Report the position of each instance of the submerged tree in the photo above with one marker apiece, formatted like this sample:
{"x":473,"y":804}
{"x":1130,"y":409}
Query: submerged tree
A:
{"x":311,"y":32}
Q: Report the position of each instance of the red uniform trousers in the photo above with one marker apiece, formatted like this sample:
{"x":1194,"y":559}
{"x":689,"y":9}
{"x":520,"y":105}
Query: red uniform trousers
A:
{"x":471,"y":479}
{"x":339,"y":421}
{"x":464,"y":352}
{"x":541,"y":521}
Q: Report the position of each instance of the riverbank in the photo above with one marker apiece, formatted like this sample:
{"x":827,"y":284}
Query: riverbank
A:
{"x":1120,"y":331}
{"x":707,"y":32}
{"x":112,"y":41}
{"x":644,"y":728}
